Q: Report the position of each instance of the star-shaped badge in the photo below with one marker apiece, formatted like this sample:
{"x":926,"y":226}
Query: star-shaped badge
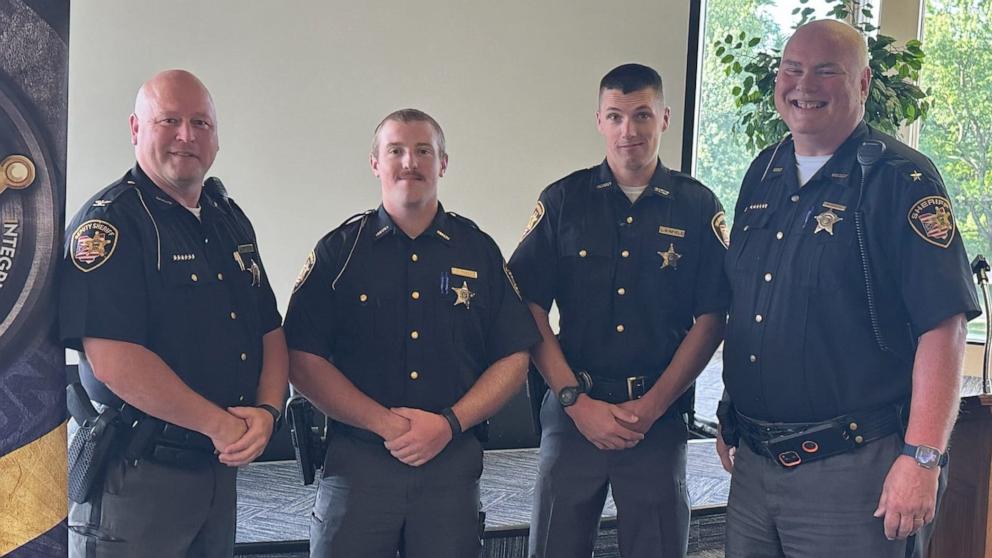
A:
{"x":464,"y":295}
{"x":916,"y":175}
{"x":670,"y":258}
{"x":826,"y":221}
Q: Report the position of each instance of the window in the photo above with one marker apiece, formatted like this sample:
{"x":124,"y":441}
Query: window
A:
{"x":957,"y":134}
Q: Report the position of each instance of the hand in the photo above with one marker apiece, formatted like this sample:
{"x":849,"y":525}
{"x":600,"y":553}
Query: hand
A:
{"x":646,"y":412}
{"x":600,"y":423}
{"x":252,"y":443}
{"x":727,"y":453}
{"x":231,"y":431}
{"x":429,"y":433}
{"x":392,"y":427}
{"x":909,"y":498}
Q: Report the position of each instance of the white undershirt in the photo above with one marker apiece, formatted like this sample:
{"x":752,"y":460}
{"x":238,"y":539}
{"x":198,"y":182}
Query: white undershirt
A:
{"x":195,"y":211}
{"x":633,"y":192}
{"x":807,"y":166}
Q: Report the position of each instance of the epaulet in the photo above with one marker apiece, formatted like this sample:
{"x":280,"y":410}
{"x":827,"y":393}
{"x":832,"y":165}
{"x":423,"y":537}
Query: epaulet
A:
{"x":111,"y":193}
{"x":687,"y":177}
{"x":464,"y":219}
{"x":351,"y":220}
{"x":214,"y":187}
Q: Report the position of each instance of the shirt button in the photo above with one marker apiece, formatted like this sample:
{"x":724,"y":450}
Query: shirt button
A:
{"x":363,"y":297}
{"x":768,"y":278}
{"x":621,"y":291}
{"x":780,"y":235}
{"x":746,"y":227}
{"x":620,"y":328}
{"x":414,"y":334}
{"x":582,"y":253}
{"x":794,"y":198}
{"x":415,"y":295}
{"x":414,"y":375}
{"x":758,"y":318}
{"x":625,"y":254}
{"x":234,"y":316}
{"x":753,"y":358}
{"x":242,"y":398}
{"x":413,"y":257}
{"x":206,"y":241}
{"x":194,"y":277}
{"x":220,"y":276}
{"x":630,"y":220}
{"x":244,"y":356}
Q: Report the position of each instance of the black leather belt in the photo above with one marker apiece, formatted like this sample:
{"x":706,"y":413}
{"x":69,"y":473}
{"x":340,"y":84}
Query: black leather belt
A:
{"x":791,"y":444}
{"x":164,"y":442}
{"x":619,"y":390}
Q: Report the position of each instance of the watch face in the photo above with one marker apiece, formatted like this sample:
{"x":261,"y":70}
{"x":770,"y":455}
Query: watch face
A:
{"x":568,"y":395}
{"x":927,"y":456}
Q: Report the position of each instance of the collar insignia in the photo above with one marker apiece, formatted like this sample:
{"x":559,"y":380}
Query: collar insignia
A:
{"x":916,"y":175}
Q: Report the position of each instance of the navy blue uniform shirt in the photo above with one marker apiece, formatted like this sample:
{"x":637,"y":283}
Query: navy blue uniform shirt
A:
{"x":411,"y":322}
{"x":628,"y":278}
{"x":800,"y":345}
{"x":139,"y":267}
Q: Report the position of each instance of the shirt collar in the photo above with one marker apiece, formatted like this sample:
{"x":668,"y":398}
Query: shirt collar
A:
{"x":660,"y":185}
{"x":838,"y":169}
{"x":440,"y":227}
{"x":151,"y":193}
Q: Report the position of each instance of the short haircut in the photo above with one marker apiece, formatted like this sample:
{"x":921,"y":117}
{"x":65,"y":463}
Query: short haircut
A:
{"x":409,"y":115}
{"x":628,"y":78}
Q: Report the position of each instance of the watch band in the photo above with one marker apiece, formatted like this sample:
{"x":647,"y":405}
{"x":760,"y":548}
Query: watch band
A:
{"x":449,"y":415}
{"x":276,"y":415}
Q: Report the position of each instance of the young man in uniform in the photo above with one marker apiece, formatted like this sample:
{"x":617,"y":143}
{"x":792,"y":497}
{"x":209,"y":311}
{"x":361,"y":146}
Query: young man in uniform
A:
{"x":631,"y":253}
{"x":851,"y":291}
{"x":407,"y":330}
{"x":164,"y":295}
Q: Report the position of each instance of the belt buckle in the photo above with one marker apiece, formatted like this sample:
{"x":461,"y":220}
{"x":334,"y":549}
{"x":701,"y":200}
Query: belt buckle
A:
{"x":635,"y":387}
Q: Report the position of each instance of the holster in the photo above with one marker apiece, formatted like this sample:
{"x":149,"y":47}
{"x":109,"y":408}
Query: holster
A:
{"x":729,"y":430}
{"x":92,"y":446}
{"x":310,"y":440}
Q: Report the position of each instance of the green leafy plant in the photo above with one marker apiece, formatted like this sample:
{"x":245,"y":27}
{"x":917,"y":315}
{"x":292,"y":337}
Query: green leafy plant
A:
{"x":894,"y":99}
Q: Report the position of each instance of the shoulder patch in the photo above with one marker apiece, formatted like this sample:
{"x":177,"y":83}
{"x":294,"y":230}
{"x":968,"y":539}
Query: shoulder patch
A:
{"x":535,"y":218}
{"x":719,"y":225}
{"x":93,"y":243}
{"x":305,"y":272}
{"x":932,"y":220}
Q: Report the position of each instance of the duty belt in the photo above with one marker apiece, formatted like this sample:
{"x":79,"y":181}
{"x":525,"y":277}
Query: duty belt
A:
{"x":164,"y":442}
{"x":619,"y":390}
{"x":791,"y":444}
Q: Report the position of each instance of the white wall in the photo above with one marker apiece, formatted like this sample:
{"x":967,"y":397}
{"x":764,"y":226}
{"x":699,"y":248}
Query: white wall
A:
{"x":300,"y":85}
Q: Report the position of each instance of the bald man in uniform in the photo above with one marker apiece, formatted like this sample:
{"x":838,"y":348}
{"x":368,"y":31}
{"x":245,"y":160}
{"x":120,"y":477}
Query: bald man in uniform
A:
{"x":851,"y":290}
{"x":164,"y":296}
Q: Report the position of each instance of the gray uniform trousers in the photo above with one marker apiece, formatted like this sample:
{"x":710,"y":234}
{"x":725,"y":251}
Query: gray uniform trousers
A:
{"x":821,"y":509}
{"x":371,"y":505}
{"x":157,"y":511}
{"x":648,"y":483}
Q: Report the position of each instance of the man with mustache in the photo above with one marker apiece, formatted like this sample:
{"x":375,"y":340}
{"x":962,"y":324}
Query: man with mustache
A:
{"x":851,"y":291}
{"x":631,"y":253}
{"x":164,"y":296}
{"x":406,"y":329}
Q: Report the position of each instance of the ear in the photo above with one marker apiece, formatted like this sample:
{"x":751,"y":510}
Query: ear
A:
{"x":666,"y":116}
{"x":374,"y":164}
{"x":599,"y":122}
{"x":865,"y":84}
{"x":444,"y":164}
{"x":133,"y":123}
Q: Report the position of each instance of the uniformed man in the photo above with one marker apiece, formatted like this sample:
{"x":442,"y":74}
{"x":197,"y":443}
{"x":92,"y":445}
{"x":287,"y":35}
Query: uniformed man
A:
{"x":850,"y":296}
{"x":406,"y":329}
{"x":165,"y":298}
{"x":631,"y":252}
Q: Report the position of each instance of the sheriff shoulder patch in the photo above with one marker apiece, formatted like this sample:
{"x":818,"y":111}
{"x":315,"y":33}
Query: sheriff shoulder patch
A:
{"x":931,"y":218}
{"x":93,"y":243}
{"x":305,"y":272}
{"x":719,"y":224}
{"x":535,"y":218}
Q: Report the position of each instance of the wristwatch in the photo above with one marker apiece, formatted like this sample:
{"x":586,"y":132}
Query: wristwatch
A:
{"x":568,"y":395}
{"x":276,"y":415}
{"x":925,"y":456}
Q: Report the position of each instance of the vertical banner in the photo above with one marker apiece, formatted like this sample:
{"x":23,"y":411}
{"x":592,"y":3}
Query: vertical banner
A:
{"x":33,"y":106}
